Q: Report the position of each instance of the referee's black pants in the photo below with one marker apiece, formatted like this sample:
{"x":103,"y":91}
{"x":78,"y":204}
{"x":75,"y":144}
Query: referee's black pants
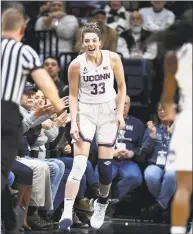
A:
{"x":11,"y":129}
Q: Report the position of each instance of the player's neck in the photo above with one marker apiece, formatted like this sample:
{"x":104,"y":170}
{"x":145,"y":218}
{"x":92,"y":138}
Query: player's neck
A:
{"x":95,"y":60}
{"x":11,"y":35}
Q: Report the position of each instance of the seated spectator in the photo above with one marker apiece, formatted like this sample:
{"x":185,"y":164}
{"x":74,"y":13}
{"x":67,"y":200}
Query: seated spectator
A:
{"x":126,"y":173}
{"x":41,"y":189}
{"x":52,"y":67}
{"x":29,"y":123}
{"x":23,"y":180}
{"x":117,"y":16}
{"x":99,"y":16}
{"x":161,"y":184}
{"x":131,"y":43}
{"x":63,"y":24}
{"x":157,"y":17}
{"x":48,"y":131}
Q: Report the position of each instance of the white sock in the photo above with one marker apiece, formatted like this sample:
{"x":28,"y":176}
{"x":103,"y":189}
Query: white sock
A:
{"x":68,"y":204}
{"x":178,"y":230}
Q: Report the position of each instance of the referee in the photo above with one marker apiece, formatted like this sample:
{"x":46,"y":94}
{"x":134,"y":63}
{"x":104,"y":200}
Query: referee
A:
{"x":17,"y":62}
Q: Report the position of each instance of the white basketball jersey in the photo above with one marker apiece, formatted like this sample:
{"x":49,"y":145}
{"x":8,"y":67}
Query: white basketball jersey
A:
{"x":184,"y":76}
{"x":96,"y":83}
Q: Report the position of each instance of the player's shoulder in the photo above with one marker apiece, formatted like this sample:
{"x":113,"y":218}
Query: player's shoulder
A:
{"x":75,"y":64}
{"x":113,"y":56}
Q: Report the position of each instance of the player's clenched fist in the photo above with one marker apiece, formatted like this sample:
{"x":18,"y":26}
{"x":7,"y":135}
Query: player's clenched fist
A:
{"x":120,"y":122}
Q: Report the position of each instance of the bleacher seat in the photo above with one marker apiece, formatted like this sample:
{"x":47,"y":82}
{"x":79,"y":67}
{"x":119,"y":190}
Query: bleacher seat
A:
{"x":45,"y":43}
{"x":136,"y":81}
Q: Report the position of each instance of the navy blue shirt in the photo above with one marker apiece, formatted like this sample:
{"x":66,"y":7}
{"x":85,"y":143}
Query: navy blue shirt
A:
{"x":132,"y":134}
{"x":152,"y":146}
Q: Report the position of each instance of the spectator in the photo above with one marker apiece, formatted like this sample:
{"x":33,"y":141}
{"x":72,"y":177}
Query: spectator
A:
{"x":161,"y":184}
{"x":63,"y":24}
{"x":52,"y":67}
{"x":157,"y":17}
{"x":131,"y":43}
{"x":47,"y":132}
{"x":56,"y":167}
{"x":126,"y":173}
{"x":23,"y":179}
{"x":99,"y":16}
{"x":41,"y":188}
{"x":117,"y":16}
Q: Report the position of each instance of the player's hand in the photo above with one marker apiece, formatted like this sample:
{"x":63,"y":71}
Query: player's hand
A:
{"x":74,"y":132}
{"x":152,"y":128}
{"x":120,"y":122}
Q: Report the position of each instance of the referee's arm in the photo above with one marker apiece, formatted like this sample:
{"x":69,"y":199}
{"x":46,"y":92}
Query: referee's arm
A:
{"x":42,"y":78}
{"x":46,"y":84}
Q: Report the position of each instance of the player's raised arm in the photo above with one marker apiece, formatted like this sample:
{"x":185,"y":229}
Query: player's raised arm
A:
{"x":117,"y":66}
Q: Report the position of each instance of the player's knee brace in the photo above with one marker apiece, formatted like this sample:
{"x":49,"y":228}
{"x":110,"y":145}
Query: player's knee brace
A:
{"x":105,"y":171}
{"x":78,"y":168}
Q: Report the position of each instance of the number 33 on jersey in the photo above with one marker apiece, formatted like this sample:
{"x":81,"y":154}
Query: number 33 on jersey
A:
{"x":96,"y":83}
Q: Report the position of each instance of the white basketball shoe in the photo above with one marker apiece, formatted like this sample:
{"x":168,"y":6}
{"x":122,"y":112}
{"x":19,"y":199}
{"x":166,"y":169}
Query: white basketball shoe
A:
{"x":98,"y":216}
{"x":66,"y":221}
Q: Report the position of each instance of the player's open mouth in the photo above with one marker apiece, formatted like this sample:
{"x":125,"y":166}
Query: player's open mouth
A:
{"x":91,"y":50}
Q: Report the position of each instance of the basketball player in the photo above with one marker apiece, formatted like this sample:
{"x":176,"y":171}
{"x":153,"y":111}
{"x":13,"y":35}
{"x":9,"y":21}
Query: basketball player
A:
{"x":178,"y":71}
{"x":93,"y":110}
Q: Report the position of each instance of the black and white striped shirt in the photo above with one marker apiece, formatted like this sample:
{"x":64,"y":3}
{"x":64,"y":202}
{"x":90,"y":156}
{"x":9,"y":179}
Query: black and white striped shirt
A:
{"x":17,"y":62}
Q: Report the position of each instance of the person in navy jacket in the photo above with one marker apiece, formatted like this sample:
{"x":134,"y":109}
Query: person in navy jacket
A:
{"x":126,"y":173}
{"x":155,"y":145}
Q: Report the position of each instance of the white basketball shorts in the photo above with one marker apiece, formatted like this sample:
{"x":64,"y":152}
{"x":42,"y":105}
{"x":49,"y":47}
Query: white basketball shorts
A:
{"x":99,"y":119}
{"x":180,"y":154}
